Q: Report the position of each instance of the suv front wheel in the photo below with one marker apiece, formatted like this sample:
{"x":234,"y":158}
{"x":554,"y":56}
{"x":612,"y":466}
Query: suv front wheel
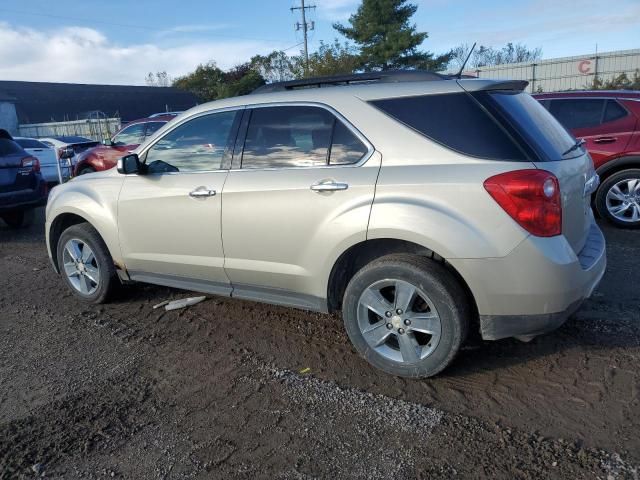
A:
{"x":618,"y":198}
{"x":406,"y":315}
{"x":85,"y":263}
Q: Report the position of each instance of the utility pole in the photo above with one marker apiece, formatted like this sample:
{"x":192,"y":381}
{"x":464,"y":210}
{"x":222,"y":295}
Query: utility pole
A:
{"x":305,"y":28}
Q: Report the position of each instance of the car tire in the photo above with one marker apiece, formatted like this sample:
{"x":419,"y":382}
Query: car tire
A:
{"x":19,"y":218}
{"x":85,"y":170}
{"x":90,"y":274}
{"x":433,"y":325}
{"x":614,"y":195}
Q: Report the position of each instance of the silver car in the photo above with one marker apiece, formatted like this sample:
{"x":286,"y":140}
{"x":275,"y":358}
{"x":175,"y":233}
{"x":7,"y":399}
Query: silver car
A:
{"x":420,"y":206}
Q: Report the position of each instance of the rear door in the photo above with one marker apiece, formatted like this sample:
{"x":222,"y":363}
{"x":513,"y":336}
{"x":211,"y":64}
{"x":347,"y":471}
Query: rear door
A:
{"x":45,"y":155}
{"x":302,"y":182}
{"x":604,"y":124}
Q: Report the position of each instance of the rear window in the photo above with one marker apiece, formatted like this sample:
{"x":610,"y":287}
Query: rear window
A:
{"x":539,"y":129}
{"x":497,"y":125}
{"x":456,"y":121}
{"x":30,"y":143}
{"x":9,"y":147}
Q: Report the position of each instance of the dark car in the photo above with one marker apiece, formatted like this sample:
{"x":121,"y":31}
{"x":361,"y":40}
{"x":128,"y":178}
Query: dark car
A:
{"x":104,"y":157}
{"x":22,"y":187}
{"x":609,"y":123}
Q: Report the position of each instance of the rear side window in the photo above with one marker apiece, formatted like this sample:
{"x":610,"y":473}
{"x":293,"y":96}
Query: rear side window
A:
{"x":456,"y":121}
{"x":298,"y":136}
{"x":613,"y":111}
{"x":578,"y":113}
{"x":30,"y":143}
{"x":9,"y":147}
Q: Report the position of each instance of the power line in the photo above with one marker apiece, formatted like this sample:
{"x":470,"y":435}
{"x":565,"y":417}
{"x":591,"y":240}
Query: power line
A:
{"x":305,"y":27}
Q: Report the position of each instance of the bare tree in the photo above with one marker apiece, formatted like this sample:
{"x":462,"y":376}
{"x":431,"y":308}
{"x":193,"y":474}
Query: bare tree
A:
{"x":489,"y":56}
{"x":158,"y":79}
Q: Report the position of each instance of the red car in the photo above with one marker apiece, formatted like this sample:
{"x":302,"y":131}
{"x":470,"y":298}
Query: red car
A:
{"x":609,"y":123}
{"x":105,"y":156}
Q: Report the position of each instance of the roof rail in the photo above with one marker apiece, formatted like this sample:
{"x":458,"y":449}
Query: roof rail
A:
{"x":387,"y":76}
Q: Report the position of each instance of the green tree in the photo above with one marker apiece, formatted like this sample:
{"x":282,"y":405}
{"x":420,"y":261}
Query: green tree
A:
{"x":274,"y":67}
{"x":386,"y":38}
{"x":209,"y":82}
{"x":619,"y":82}
{"x":331,"y":59}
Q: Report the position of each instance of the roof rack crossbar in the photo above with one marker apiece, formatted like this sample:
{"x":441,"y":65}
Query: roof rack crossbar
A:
{"x":387,"y":76}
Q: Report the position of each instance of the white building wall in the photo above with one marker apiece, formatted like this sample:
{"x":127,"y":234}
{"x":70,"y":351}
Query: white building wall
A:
{"x":568,"y":73}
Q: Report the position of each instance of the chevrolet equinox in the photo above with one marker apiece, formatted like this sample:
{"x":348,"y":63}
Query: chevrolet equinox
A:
{"x":421,"y":206}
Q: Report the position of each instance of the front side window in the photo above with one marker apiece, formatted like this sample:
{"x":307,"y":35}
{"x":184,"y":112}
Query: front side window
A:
{"x":298,"y":136}
{"x":578,"y":113}
{"x":131,"y":135}
{"x":197,"y":145}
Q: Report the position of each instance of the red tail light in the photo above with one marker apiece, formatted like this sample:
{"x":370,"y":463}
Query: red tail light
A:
{"x":531,"y":198}
{"x":31,"y":163}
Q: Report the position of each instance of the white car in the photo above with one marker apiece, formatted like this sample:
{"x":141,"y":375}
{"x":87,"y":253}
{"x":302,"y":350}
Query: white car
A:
{"x":47,"y":157}
{"x":77,"y":143}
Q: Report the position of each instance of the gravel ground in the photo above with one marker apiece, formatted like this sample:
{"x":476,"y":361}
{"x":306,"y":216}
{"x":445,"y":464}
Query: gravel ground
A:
{"x":232,"y":389}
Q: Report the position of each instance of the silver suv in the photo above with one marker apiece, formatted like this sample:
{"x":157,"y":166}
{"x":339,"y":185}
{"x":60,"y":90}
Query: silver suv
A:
{"x":420,"y":206}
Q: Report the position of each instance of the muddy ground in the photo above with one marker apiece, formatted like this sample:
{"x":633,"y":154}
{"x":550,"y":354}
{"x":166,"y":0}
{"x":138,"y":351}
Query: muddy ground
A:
{"x":215,"y":391}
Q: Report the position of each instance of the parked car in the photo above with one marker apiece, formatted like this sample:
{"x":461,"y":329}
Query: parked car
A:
{"x":420,"y":205}
{"x":609,"y":123}
{"x":48,"y":159}
{"x":22,"y":187}
{"x":104,"y":157}
{"x":68,"y":149}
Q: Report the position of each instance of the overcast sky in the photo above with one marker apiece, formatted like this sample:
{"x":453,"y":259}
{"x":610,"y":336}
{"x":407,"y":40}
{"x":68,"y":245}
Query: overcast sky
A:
{"x":119,"y":41}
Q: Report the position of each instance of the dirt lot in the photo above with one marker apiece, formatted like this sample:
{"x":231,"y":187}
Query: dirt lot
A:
{"x":214,"y":391}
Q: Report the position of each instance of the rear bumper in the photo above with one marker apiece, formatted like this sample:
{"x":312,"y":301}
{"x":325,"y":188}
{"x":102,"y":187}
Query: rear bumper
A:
{"x":537,"y":287}
{"x":24,"y":199}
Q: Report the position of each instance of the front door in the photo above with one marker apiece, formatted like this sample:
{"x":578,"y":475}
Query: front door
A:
{"x":169,"y":217}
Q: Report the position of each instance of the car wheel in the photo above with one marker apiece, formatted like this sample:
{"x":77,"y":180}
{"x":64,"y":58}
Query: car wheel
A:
{"x":19,"y":218}
{"x":85,"y":263}
{"x":85,"y":170}
{"x":406,"y":315}
{"x":618,"y":199}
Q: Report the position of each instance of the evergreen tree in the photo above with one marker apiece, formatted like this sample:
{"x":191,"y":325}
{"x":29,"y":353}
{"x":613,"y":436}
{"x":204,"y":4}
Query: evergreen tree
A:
{"x":387,"y":39}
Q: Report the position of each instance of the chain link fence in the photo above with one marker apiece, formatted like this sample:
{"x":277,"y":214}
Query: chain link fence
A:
{"x":94,"y":128}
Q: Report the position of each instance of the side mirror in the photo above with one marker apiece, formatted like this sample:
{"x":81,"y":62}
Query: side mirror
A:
{"x":130,"y":164}
{"x":66,"y":152}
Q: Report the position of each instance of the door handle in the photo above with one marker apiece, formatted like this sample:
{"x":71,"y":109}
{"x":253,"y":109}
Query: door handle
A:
{"x":202,"y":192}
{"x":605,"y":140}
{"x":330,"y":186}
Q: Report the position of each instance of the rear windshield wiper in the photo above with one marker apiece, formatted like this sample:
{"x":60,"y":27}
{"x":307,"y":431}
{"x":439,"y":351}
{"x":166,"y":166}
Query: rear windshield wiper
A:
{"x":580,"y":142}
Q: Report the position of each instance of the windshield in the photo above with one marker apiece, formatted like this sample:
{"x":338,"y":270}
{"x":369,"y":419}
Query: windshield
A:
{"x":534,"y":123}
{"x":30,"y":143}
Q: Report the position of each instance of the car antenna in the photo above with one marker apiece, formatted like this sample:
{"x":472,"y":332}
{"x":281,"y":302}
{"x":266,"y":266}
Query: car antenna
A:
{"x":459,"y":74}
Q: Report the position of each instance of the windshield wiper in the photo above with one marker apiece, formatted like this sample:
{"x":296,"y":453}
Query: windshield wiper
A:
{"x":580,"y":142}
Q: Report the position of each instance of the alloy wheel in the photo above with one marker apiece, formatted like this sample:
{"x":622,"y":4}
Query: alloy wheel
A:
{"x":623,"y":200}
{"x":81,"y":266}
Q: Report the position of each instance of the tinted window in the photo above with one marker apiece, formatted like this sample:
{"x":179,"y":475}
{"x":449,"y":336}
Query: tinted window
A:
{"x":287,"y":137}
{"x":578,"y":113}
{"x":456,"y":121}
{"x":346,"y":148}
{"x":613,"y":111}
{"x":30,"y":143}
{"x":153,"y":127}
{"x":531,"y":121}
{"x":197,"y":145}
{"x":9,"y":147}
{"x":131,"y":135}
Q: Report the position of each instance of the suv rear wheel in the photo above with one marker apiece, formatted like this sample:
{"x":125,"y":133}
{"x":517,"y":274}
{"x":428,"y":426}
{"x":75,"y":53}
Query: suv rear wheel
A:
{"x":406,"y":314}
{"x":85,"y":263}
{"x":618,"y":198}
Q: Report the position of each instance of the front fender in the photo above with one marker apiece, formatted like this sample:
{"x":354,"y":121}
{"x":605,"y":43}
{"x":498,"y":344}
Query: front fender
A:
{"x":95,"y":201}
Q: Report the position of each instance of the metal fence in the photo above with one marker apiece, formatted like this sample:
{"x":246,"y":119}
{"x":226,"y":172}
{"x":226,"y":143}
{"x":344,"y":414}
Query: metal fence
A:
{"x":95,"y":128}
{"x":568,"y":73}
